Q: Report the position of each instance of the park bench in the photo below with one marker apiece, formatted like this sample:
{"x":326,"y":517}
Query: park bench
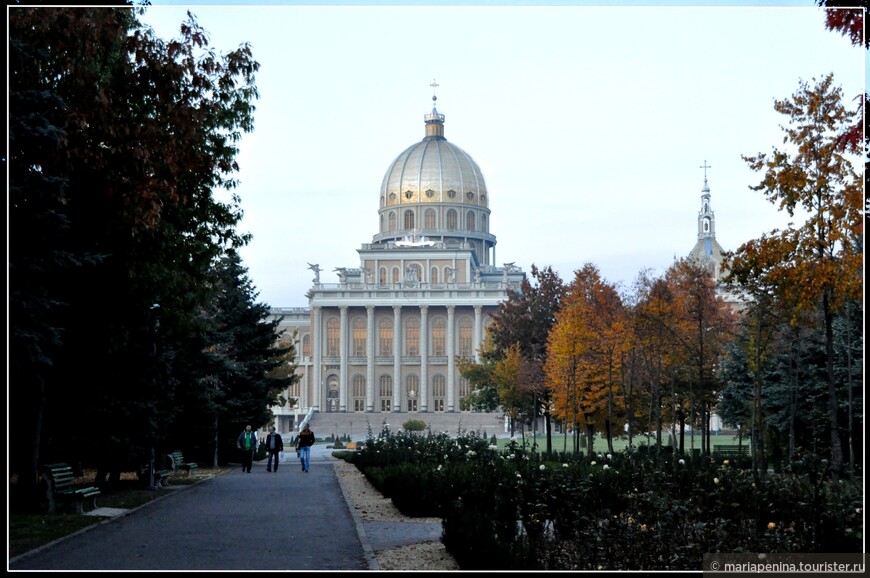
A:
{"x":178,"y":463}
{"x":730,"y":451}
{"x":61,"y":486}
{"x":161,"y":476}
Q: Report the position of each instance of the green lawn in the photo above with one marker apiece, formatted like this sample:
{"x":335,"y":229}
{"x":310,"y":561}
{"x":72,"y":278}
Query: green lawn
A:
{"x":619,"y":444}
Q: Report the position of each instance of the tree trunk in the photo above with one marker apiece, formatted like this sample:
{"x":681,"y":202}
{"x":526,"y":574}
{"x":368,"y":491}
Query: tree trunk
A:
{"x":836,"y":447}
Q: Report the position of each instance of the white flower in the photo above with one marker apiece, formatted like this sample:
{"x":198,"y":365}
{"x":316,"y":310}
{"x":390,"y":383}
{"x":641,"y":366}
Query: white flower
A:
{"x":542,"y":467}
{"x":439,"y":467}
{"x":593,"y":462}
{"x":682,"y":462}
{"x":493,"y":447}
{"x":564,"y":465}
{"x":518,"y":475}
{"x":606,"y":467}
{"x":716,"y":481}
{"x":609,"y":456}
{"x":471,"y":453}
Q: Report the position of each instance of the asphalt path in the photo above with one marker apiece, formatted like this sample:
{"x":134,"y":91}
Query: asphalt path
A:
{"x":284,"y":520}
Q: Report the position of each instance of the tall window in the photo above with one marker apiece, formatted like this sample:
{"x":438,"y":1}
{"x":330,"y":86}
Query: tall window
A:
{"x":382,"y":276}
{"x":333,"y":334}
{"x":359,"y":337}
{"x":464,"y":388}
{"x":465,"y":338}
{"x":359,"y":393}
{"x":429,"y":219}
{"x":439,"y":392}
{"x":385,"y":392}
{"x":412,"y":391}
{"x":439,"y":336}
{"x":392,"y":220}
{"x":412,"y":336}
{"x":409,"y":220}
{"x":469,"y":221}
{"x":483,"y":223}
{"x":306,"y":345}
{"x":385,"y":337}
{"x":433,"y":276}
{"x":395,"y":274}
{"x":451,"y":220}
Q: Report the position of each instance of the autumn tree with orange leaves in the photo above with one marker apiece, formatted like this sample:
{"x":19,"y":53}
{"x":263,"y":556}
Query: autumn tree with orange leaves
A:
{"x":818,"y":263}
{"x":584,"y":353}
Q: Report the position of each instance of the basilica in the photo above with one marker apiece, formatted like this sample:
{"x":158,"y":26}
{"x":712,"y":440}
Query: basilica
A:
{"x":380,"y":346}
{"x":382,"y":343}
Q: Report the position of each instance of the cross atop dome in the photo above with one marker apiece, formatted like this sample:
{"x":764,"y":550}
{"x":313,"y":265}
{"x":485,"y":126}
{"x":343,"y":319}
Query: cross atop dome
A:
{"x":434,"y":120}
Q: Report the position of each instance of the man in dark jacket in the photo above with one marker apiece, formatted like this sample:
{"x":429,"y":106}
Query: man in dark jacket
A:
{"x":274,"y":445}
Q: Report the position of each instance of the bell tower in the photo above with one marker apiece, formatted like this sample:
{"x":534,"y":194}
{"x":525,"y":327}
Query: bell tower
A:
{"x":707,"y":250}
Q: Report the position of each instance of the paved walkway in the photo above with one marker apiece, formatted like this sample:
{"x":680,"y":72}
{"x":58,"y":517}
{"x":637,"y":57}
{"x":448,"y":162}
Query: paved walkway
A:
{"x":287,"y":520}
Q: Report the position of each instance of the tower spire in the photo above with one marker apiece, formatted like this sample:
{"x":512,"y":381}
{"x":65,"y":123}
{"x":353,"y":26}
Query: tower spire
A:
{"x":434,"y":120}
{"x":706,"y":219}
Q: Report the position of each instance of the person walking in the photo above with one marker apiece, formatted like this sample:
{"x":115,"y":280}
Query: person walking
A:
{"x":247,"y":442}
{"x":274,"y":446}
{"x":303,"y":446}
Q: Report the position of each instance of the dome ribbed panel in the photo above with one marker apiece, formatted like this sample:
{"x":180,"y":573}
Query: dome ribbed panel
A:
{"x":433,"y":164}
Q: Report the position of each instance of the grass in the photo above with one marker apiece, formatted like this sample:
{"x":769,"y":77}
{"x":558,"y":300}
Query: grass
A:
{"x":28,"y":531}
{"x":619,"y":443}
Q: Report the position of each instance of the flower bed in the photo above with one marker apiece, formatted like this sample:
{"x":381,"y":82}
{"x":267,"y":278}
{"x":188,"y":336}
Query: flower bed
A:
{"x":515,"y":509}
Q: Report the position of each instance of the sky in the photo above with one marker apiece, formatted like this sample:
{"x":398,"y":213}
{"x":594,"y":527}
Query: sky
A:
{"x":590,"y":124}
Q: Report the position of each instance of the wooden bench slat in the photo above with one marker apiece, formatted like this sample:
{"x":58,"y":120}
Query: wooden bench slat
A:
{"x":60,"y":483}
{"x":178,"y":463}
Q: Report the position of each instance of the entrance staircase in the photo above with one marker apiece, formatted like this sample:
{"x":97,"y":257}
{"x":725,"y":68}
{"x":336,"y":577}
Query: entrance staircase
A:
{"x":359,"y":425}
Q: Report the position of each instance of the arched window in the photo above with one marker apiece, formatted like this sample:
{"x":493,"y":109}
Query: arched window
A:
{"x":429,"y":221}
{"x":392,"y":221}
{"x":451,"y":220}
{"x":385,"y":392}
{"x":433,"y":276}
{"x":439,"y":336}
{"x":359,"y":338}
{"x":412,"y":337}
{"x":412,"y":391}
{"x":395,"y":274}
{"x":359,"y":392}
{"x":469,"y":221}
{"x":483,"y":226}
{"x":439,"y":392}
{"x":306,"y":345}
{"x":409,"y":220}
{"x":464,"y":389}
{"x":333,"y":333}
{"x":465,"y":338}
{"x":382,"y":276}
{"x":385,"y":336}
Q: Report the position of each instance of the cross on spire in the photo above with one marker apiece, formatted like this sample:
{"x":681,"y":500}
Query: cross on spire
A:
{"x":435,"y":85}
{"x":705,"y":166}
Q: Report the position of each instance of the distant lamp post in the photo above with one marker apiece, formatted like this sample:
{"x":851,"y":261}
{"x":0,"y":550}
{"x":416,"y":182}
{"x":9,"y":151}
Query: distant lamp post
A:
{"x":412,"y":400}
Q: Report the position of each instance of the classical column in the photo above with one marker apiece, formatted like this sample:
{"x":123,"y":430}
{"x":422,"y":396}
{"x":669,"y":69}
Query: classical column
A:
{"x":451,"y":362}
{"x":424,"y":358}
{"x":342,"y":351}
{"x":397,"y":357}
{"x":478,"y":319}
{"x":318,"y":358}
{"x":371,"y":338}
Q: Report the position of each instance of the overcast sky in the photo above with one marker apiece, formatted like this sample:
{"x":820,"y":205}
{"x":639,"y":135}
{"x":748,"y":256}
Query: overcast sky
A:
{"x":590,"y":124}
